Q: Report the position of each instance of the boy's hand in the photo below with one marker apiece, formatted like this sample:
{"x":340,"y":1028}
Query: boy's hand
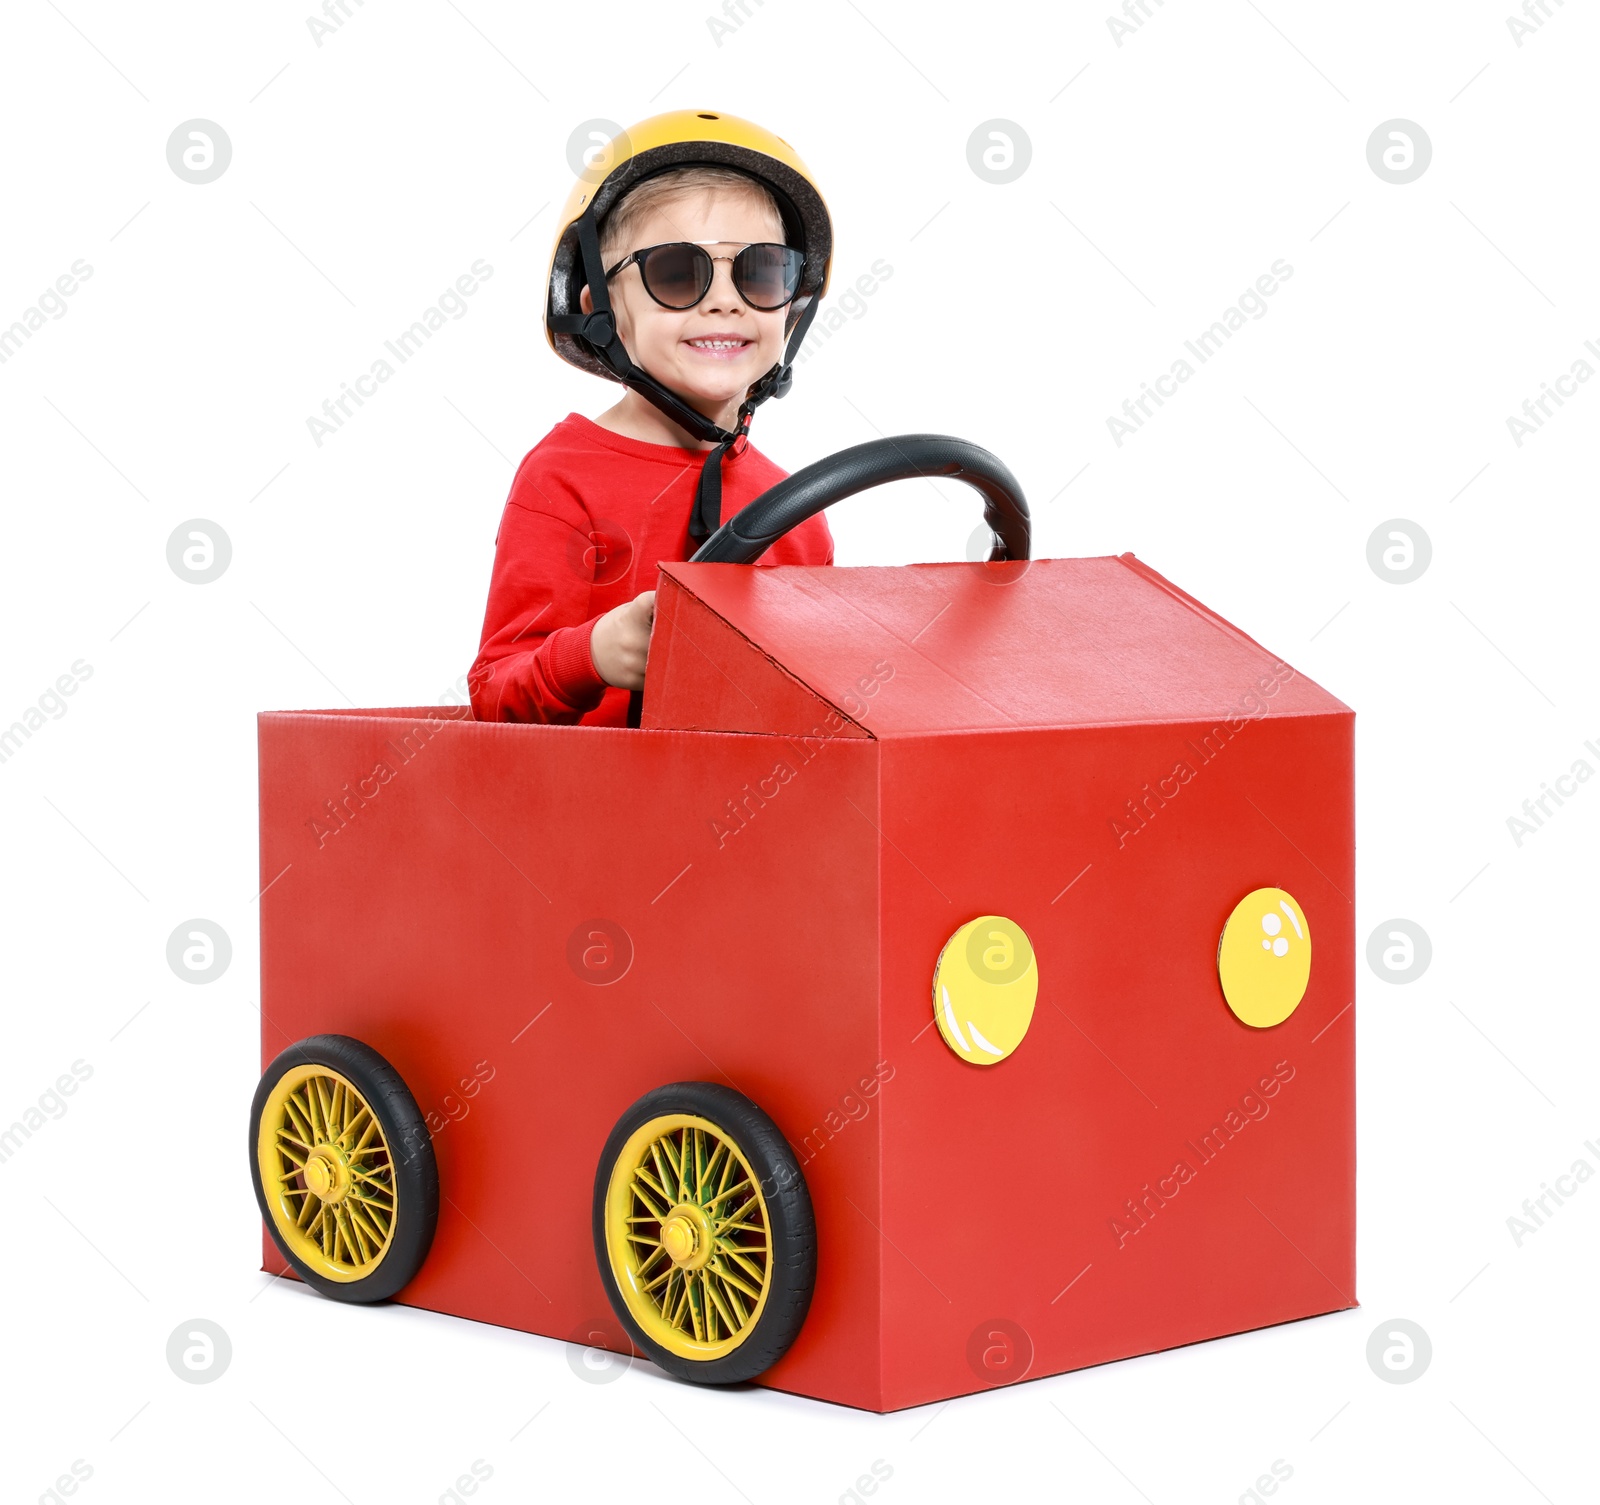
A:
{"x":620,"y":642}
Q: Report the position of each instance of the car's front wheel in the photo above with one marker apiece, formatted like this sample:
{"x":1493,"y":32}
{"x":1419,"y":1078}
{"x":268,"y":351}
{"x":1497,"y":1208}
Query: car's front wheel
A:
{"x":704,"y":1233}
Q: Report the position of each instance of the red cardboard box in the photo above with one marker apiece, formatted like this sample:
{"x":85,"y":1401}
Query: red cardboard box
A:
{"x":836,"y":769}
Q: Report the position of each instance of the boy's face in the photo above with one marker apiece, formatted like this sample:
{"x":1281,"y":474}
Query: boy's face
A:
{"x":711,"y":353}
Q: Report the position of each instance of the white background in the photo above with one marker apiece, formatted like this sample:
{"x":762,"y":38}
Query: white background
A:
{"x":1167,"y":174}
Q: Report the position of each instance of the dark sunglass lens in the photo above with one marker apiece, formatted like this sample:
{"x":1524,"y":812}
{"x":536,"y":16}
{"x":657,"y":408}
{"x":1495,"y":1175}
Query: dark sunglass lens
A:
{"x":677,"y":275}
{"x":768,"y":275}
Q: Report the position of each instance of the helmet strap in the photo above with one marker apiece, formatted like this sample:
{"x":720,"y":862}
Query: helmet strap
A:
{"x":706,"y":517}
{"x":598,"y":330}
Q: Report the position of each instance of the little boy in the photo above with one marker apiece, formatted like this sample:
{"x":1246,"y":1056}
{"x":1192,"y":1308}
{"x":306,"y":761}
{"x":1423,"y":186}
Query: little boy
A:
{"x":690,"y":273}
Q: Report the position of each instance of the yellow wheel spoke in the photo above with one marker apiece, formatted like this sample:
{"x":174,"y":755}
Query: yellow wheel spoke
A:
{"x":365,"y":1246}
{"x":661,"y":1154}
{"x":341,"y":1235}
{"x":674,"y":1151}
{"x":657,"y":1186}
{"x":658,"y":1213}
{"x":733,"y":1280}
{"x":367,"y":1134}
{"x":663,"y":1277}
{"x":363,"y":1112}
{"x":320,"y":1097}
{"x":362,"y":1221}
{"x":737,"y":1257}
{"x":740,"y":1310}
{"x":737,"y":1222}
{"x":300,"y":1120}
{"x":725,"y":1238}
{"x":372,"y":1204}
{"x":691,"y":1285}
{"x":711,"y":1168}
{"x":379,"y":1214}
{"x":722,"y":1196}
{"x":677,"y":1152}
{"x":733,"y":1325}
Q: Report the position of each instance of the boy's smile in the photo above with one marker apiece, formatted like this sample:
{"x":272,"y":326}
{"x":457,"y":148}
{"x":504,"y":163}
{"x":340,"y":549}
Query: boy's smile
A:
{"x":721,"y":346}
{"x":709,"y":354}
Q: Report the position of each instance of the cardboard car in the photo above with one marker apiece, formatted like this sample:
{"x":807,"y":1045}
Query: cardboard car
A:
{"x":920,"y":998}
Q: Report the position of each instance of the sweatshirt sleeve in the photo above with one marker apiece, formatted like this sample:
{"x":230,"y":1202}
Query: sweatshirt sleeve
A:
{"x":533,"y":659}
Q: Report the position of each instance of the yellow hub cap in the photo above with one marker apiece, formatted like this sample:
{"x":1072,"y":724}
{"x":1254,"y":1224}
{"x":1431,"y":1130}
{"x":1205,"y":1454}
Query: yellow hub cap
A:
{"x":327,"y":1173}
{"x":688,"y":1236}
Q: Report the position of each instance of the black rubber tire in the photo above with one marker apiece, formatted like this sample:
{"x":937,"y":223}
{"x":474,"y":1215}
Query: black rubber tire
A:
{"x":793,"y":1226}
{"x":411,"y":1150}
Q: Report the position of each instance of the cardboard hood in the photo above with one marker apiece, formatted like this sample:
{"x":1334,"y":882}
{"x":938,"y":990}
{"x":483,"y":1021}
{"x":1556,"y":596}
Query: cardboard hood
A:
{"x":970,"y":647}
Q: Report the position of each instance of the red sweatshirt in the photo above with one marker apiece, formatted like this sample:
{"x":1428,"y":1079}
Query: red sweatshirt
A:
{"x":589,"y":516}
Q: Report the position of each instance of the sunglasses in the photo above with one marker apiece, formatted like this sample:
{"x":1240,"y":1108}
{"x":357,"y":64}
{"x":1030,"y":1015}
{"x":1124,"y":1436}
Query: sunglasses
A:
{"x":678,"y":274}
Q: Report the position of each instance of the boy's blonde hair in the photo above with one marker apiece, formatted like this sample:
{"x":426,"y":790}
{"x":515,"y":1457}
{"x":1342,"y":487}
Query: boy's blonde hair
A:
{"x":672,"y":186}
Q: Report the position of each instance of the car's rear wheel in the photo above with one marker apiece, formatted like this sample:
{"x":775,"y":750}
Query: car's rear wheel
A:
{"x":343,"y":1168}
{"x":704,"y":1233}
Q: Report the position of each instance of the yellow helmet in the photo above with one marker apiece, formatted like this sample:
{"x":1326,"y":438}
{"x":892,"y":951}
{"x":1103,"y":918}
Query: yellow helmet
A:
{"x":680,"y":138}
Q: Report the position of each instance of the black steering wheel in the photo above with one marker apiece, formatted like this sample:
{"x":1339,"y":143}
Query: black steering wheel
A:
{"x":745,"y":537}
{"x":757,"y":526}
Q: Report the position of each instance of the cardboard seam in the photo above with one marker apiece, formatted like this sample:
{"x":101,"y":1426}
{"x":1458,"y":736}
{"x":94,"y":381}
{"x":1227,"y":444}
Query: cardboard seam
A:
{"x":733,"y":627}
